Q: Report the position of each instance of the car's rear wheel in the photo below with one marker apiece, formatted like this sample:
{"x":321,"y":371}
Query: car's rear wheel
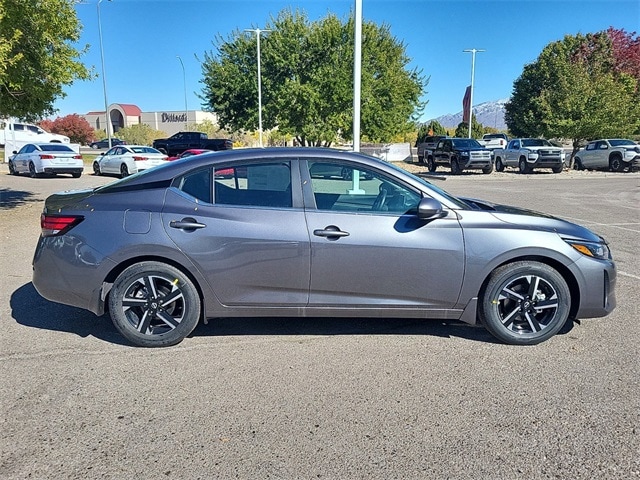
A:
{"x":12,"y":168}
{"x":499,"y":165}
{"x":32,"y":170}
{"x":431,"y":165}
{"x":124,"y":171}
{"x":96,"y":168}
{"x":577,"y":164}
{"x":523,"y":167}
{"x":153,"y":304}
{"x":524,"y":303}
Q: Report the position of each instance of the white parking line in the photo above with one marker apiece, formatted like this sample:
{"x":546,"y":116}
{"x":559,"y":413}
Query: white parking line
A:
{"x":613,"y":225}
{"x":630,"y":275}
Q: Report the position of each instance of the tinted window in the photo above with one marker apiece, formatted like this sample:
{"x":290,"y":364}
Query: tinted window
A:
{"x":259,"y":185}
{"x":57,"y":147}
{"x":334,"y":189}
{"x":197,"y":184}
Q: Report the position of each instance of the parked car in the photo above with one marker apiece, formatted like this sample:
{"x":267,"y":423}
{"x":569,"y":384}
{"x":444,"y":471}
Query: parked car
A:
{"x":189,"y":153}
{"x":104,"y":143}
{"x":26,"y":132}
{"x":494,"y":140}
{"x":425,"y":144}
{"x":125,"y":160}
{"x":38,"y":159}
{"x":181,"y":141}
{"x":615,"y":154}
{"x":460,"y":154}
{"x":182,"y":242}
{"x":528,"y":154}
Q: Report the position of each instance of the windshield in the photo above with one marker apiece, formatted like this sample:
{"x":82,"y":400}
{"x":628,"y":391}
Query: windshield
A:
{"x":466,"y":143}
{"x":536,"y":142}
{"x":618,"y":143}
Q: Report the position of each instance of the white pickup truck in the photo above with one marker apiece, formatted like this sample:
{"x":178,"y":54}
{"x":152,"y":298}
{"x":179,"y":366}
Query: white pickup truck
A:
{"x":23,"y":133}
{"x":492,"y":141}
{"x":529,"y":153}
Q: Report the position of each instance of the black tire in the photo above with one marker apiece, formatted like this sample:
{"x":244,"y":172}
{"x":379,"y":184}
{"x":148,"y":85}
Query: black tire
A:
{"x":153,"y":304}
{"x":524,"y":303}
{"x":455,"y":167}
{"x":431,"y":165}
{"x":96,"y":168}
{"x":488,"y":169}
{"x":420,"y":159}
{"x":523,"y":167}
{"x":124,"y":171}
{"x":557,"y":169}
{"x":12,"y":168}
{"x":76,"y":175}
{"x":577,"y":164}
{"x":32,"y":170}
{"x":616,"y":164}
{"x":499,"y":165}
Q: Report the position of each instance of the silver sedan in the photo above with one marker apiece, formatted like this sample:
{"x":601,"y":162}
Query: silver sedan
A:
{"x":257,"y":233}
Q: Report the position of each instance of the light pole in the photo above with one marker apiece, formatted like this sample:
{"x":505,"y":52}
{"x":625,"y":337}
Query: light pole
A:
{"x":258,"y":32}
{"x":184,"y":79}
{"x":104,"y":79}
{"x":473,"y":52}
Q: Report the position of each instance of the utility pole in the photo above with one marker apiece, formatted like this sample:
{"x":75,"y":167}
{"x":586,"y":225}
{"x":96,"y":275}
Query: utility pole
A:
{"x":473,"y":52}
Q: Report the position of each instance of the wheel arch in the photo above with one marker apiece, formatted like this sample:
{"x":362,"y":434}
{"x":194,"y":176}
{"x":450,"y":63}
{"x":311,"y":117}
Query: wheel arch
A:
{"x":565,"y":272}
{"x":121,"y":267}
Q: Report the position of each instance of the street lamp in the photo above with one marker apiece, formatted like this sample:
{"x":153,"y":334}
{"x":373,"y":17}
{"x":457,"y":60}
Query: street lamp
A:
{"x":184,"y":79}
{"x":258,"y":32}
{"x":473,"y":52}
{"x":104,"y":79}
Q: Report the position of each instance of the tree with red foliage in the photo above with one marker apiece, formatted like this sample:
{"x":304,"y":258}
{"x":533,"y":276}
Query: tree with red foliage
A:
{"x":73,"y":126}
{"x":626,"y":51}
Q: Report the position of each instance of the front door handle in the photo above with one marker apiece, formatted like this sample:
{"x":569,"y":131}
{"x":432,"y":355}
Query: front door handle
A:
{"x":331,"y":232}
{"x":187,"y":224}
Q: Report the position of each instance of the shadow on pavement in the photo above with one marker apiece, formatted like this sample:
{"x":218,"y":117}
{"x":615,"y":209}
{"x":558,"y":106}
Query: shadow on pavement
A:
{"x":15,"y":198}
{"x":28,"y":308}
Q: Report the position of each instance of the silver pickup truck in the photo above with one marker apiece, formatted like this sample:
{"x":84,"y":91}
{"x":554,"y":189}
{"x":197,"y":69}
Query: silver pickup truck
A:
{"x":529,"y":153}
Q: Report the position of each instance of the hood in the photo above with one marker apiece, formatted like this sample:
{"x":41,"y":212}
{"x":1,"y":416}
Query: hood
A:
{"x":532,"y":220}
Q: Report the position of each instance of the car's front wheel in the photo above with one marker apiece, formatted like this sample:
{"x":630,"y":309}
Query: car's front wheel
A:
{"x":524,"y":303}
{"x":488,"y":169}
{"x":431,"y":165}
{"x":153,"y":304}
{"x":616,"y":164}
{"x":455,"y":167}
{"x":523,"y":167}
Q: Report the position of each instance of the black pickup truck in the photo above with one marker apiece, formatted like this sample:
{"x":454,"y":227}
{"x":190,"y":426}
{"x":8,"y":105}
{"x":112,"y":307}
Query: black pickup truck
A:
{"x":181,"y":141}
{"x":460,"y":154}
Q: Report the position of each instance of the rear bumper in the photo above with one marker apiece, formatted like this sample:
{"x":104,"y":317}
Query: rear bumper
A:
{"x":63,"y":169}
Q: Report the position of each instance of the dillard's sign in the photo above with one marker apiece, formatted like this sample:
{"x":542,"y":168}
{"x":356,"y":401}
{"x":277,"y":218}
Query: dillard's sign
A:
{"x":173,"y":117}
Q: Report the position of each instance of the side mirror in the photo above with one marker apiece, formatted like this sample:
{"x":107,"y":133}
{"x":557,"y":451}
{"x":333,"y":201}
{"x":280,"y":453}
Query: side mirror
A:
{"x":15,"y":151}
{"x":430,"y":209}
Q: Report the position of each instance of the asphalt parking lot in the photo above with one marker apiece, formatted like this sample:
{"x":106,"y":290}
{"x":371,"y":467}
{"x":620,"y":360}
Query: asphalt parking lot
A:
{"x":324,"y":398}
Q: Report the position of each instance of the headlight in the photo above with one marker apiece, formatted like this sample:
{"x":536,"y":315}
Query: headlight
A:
{"x":464,"y":154}
{"x":591,"y":249}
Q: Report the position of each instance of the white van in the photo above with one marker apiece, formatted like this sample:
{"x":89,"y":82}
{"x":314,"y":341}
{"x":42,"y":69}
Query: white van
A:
{"x":23,"y":133}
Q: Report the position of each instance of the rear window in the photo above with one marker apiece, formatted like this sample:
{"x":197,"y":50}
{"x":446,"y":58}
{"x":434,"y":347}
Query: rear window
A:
{"x":56,"y":147}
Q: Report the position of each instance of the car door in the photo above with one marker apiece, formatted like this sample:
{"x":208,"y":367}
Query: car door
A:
{"x":23,"y":157}
{"x":588,"y":157}
{"x":107,"y":161}
{"x":512,"y":153}
{"x":243,"y":226}
{"x":368,"y":248}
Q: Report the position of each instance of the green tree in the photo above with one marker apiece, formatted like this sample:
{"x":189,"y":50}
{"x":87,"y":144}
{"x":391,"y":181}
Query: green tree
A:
{"x":432,"y":128}
{"x":139,"y":134}
{"x":477,"y":129}
{"x":307,"y":80}
{"x":579,"y":89}
{"x":37,"y":56}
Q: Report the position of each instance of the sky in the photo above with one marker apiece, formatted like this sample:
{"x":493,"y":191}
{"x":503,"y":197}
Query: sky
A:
{"x":142,"y":40}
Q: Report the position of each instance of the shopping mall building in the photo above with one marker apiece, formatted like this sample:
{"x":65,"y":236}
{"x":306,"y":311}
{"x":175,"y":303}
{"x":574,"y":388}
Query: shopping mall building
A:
{"x":125,"y":115}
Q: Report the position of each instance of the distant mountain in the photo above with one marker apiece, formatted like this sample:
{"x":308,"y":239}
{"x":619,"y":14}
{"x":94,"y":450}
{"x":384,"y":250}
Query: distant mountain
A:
{"x":489,"y":114}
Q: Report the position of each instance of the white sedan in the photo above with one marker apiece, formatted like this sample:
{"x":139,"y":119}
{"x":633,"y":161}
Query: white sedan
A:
{"x":126,"y":160}
{"x":46,"y":158}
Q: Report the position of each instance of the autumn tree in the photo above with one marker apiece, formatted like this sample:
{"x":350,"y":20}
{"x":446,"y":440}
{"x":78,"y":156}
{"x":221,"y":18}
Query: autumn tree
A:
{"x":73,"y":126}
{"x":139,"y":134}
{"x":582,"y":87}
{"x":307,"y":80}
{"x":37,"y":56}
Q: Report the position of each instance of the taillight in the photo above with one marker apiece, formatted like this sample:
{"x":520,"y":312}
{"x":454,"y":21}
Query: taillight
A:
{"x":47,"y":157}
{"x":53,"y":225}
{"x":78,"y":157}
{"x":138,"y":159}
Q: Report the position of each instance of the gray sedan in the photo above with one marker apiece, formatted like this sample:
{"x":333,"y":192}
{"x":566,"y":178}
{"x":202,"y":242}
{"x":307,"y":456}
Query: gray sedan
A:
{"x":255,"y":233}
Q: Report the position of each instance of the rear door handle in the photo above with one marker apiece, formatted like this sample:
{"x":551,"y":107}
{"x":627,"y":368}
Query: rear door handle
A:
{"x":187,"y":224}
{"x":331,"y":232}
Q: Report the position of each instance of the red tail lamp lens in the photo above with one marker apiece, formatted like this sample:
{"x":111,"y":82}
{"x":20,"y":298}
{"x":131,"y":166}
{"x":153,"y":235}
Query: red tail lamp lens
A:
{"x":138,"y":159}
{"x":47,"y":157}
{"x":53,"y":225}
